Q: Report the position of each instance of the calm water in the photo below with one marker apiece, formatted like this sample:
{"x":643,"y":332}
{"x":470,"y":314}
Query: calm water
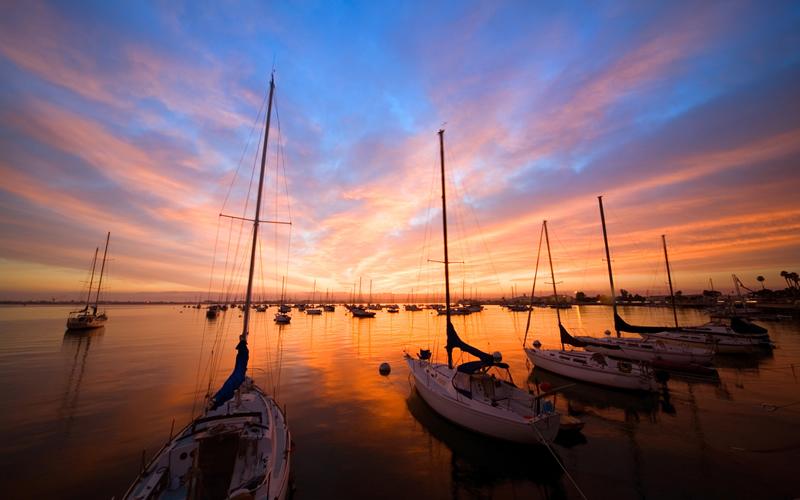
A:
{"x":78,"y":409}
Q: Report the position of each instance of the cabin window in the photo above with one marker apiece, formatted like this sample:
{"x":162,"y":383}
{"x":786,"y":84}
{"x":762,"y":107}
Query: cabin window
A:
{"x":461,"y":382}
{"x":485,"y":384}
{"x":599,"y":359}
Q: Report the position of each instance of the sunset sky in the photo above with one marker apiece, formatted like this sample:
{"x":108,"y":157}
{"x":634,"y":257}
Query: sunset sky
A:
{"x":133,"y":117}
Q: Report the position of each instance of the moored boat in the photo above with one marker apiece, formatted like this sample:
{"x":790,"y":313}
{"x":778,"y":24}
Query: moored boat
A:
{"x":472,"y":395}
{"x":587,"y":366}
{"x":88,"y":318}
{"x":240,"y":446}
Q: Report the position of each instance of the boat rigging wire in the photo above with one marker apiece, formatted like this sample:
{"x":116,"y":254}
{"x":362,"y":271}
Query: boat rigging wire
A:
{"x":555,"y":457}
{"x":533,"y":287}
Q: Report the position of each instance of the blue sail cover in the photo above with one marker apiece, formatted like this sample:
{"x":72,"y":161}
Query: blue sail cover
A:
{"x":236,"y":377}
{"x":453,"y":341}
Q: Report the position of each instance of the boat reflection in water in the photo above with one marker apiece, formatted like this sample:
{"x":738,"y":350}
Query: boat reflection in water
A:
{"x":580,"y":396}
{"x":482,"y":465}
{"x":76,"y":344}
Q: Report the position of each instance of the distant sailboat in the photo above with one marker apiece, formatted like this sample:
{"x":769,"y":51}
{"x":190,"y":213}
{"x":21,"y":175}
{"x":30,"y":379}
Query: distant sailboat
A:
{"x":588,"y":366}
{"x":740,"y":337}
{"x":88,"y":318}
{"x":359,"y":311}
{"x":312,"y":309}
{"x":657,"y":352}
{"x":240,"y":447}
{"x":282,"y":316}
{"x":470,"y":394}
{"x":328,"y":307}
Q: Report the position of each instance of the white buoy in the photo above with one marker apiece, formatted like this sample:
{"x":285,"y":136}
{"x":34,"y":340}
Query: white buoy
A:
{"x":384,"y":369}
{"x":497,"y":356}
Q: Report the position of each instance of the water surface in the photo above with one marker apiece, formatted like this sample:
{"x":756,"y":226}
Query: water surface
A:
{"x":78,"y":409}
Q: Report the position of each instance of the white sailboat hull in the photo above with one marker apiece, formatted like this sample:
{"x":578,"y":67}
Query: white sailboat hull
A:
{"x":434,"y":385}
{"x":580,"y":366}
{"x":88,"y":322}
{"x":723,"y":344}
{"x":651,"y":351}
{"x":262,"y":452}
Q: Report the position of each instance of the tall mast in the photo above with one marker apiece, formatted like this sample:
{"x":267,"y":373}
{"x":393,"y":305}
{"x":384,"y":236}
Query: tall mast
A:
{"x":552,"y":276}
{"x":91,"y":280}
{"x":608,"y":261}
{"x":669,"y":278}
{"x":102,"y":268}
{"x":444,"y":231}
{"x":249,"y":296}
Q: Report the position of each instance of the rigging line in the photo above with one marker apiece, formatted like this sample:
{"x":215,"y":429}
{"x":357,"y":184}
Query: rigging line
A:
{"x":281,"y":162}
{"x":533,"y":288}
{"x":213,"y":263}
{"x":244,"y":150}
{"x":247,"y":200}
{"x":195,"y":394}
{"x":555,"y":457}
{"x":485,"y":246}
{"x":278,"y":363}
{"x":267,"y":359}
{"x":275,"y":227}
{"x":227,"y":259}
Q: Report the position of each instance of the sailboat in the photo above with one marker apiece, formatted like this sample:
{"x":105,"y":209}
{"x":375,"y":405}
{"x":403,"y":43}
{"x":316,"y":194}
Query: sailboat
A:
{"x":240,"y":446}
{"x":87,"y":318}
{"x":282,"y":316}
{"x":359,"y":311}
{"x":471,"y":394}
{"x":660,"y":354}
{"x":412,"y":305}
{"x":328,"y":307}
{"x":312,"y":309}
{"x":740,"y":337}
{"x":592,"y":367}
{"x":370,"y":305}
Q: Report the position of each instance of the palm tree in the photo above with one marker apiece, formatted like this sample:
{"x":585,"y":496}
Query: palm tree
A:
{"x":785,"y":276}
{"x":795,"y":279}
{"x":761,"y":279}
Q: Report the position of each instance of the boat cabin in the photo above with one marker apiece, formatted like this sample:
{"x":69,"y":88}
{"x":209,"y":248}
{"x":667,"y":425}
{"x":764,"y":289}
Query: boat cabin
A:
{"x":479,"y":380}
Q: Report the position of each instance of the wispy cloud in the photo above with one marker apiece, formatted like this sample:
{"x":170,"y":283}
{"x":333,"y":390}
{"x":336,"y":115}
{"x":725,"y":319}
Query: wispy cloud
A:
{"x":135,"y":121}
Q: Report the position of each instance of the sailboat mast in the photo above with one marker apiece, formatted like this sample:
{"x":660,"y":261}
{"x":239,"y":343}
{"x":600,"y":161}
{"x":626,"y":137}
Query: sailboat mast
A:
{"x":608,"y":261}
{"x":91,"y":280}
{"x":444,"y":231}
{"x":552,"y":276}
{"x":669,"y":278}
{"x":249,"y":296}
{"x":102,"y":268}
